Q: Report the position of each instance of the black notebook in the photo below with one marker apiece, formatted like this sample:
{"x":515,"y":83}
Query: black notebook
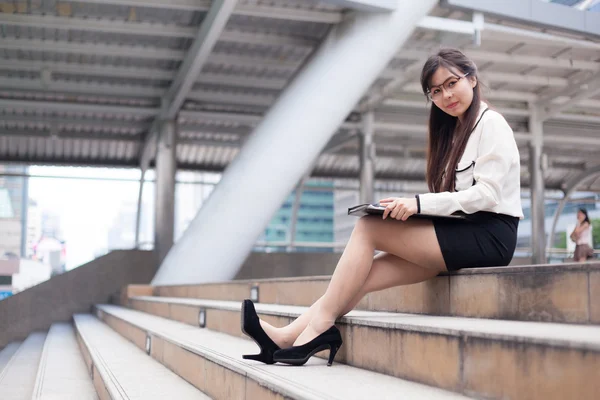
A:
{"x":376,"y":209}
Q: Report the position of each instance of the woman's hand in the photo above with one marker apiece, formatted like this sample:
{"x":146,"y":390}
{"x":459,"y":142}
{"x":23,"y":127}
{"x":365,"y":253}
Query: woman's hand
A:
{"x":398,"y":207}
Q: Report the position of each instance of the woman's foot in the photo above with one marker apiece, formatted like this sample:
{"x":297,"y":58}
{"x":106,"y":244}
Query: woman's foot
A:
{"x":251,"y":326}
{"x":298,"y":355}
{"x":314,"y":328}
{"x":278,"y":335}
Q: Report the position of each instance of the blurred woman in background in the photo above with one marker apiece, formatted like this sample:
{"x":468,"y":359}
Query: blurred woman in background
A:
{"x":581,"y":235}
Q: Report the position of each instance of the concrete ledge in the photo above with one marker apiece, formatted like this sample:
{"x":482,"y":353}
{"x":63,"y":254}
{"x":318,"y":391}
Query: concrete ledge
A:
{"x":568,"y":293}
{"x":110,"y":359}
{"x":61,"y":372}
{"x":75,"y":291}
{"x":212,"y":362}
{"x":19,"y":375}
{"x":7,"y":353}
{"x":528,"y":360}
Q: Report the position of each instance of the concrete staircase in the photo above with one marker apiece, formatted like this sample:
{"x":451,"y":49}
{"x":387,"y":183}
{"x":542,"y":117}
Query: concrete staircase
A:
{"x":496,"y":333}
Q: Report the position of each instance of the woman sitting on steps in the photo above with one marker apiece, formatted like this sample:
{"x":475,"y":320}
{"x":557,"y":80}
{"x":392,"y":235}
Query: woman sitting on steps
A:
{"x":473,"y":166}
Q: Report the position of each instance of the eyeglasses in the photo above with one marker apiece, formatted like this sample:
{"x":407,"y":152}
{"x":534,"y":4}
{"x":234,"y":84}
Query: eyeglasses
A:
{"x":435,"y":93}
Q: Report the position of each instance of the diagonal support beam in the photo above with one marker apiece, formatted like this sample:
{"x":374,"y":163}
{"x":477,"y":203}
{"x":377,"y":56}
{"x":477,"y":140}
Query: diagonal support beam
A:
{"x":375,"y":99}
{"x":208,"y":35}
{"x":211,"y":28}
{"x":339,"y":140}
{"x":365,"y":5}
{"x":590,"y":89}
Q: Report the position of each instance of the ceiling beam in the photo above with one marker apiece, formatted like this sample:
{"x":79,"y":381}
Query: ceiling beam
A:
{"x":507,"y":111}
{"x":504,"y":33}
{"x":139,"y":73}
{"x":509,"y":95}
{"x":409,"y":75}
{"x":81,"y":88}
{"x":91,"y":110}
{"x":80,"y":123}
{"x":146,"y":29}
{"x":339,"y":140}
{"x":186,"y":116}
{"x":576,"y":84}
{"x":481,"y":56}
{"x":274,"y":12}
{"x":250,"y":119}
{"x":239,"y":98}
{"x":590,"y":89}
{"x":365,"y":5}
{"x":399,"y":79}
{"x":533,"y":12}
{"x":275,"y":64}
{"x":51,"y":134}
{"x":91,"y":49}
{"x":207,"y":36}
{"x":87,"y":69}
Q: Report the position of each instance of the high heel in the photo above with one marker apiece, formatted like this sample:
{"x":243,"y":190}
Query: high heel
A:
{"x":251,"y":327}
{"x":298,"y":355}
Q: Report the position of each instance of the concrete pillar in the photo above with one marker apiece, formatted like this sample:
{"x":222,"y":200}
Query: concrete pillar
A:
{"x":286,"y":142}
{"x":367,"y":159}
{"x":165,"y":190}
{"x":536,"y":171}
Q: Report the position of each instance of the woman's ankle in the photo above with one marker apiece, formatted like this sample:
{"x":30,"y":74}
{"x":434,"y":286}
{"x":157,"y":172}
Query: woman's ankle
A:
{"x":279,"y":335}
{"x":286,"y":336}
{"x":320,"y":324}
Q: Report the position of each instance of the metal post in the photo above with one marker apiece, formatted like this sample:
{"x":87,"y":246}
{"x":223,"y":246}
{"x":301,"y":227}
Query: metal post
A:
{"x":367,"y":159}
{"x":138,"y":216}
{"x":24,"y":211}
{"x":165,"y":190}
{"x":290,"y":137}
{"x":536,"y":170}
{"x":295,"y":209}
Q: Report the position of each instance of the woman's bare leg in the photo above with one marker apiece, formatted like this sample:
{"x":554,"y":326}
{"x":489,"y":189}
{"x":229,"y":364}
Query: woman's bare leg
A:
{"x":387,"y":271}
{"x":413,"y":255}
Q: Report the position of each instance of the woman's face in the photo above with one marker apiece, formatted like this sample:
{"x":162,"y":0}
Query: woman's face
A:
{"x":451,"y":91}
{"x":580,"y":216}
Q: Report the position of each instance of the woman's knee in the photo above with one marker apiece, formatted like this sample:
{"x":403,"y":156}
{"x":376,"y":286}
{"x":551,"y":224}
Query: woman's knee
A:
{"x":367,"y":223}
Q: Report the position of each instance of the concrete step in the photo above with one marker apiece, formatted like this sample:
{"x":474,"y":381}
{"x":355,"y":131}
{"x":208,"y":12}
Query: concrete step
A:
{"x":19,"y":374}
{"x":119,"y":370}
{"x":567,"y":293}
{"x":7,"y":353}
{"x":62,"y":373}
{"x":527,"y":360}
{"x":212,"y":362}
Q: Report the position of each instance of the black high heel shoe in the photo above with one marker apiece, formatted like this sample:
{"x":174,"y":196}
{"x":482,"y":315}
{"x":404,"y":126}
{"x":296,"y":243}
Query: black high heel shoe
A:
{"x":298,"y":355}
{"x":251,"y":327}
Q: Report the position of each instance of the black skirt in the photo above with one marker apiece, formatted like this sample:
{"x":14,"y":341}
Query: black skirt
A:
{"x":483,"y":239}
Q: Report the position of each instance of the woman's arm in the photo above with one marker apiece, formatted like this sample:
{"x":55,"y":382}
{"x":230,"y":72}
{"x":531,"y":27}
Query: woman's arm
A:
{"x":496,"y":153}
{"x":581,"y":228}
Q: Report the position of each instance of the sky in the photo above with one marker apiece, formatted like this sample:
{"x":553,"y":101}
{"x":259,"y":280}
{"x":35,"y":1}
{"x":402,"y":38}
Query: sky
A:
{"x":87,"y":208}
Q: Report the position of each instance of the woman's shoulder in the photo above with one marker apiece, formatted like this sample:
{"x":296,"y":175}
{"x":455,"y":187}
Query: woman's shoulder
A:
{"x":493,"y":120}
{"x":493,"y":116}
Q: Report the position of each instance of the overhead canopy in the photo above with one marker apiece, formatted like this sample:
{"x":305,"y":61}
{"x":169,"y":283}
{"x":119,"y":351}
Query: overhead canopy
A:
{"x":83,"y":83}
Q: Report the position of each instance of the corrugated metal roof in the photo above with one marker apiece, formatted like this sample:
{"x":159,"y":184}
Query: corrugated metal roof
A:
{"x":81,"y":83}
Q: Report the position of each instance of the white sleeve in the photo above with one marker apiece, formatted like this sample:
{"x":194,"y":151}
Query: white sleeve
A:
{"x":496,"y":152}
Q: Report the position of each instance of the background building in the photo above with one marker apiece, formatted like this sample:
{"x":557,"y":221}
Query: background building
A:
{"x":315,"y":223}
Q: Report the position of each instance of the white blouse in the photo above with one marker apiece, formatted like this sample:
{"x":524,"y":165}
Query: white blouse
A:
{"x":488,"y":176}
{"x":585,"y":235}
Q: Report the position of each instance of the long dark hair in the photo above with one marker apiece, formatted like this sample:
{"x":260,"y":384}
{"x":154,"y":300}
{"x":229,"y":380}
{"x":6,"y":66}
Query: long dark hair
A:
{"x":584,"y":212}
{"x":443,"y":127}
